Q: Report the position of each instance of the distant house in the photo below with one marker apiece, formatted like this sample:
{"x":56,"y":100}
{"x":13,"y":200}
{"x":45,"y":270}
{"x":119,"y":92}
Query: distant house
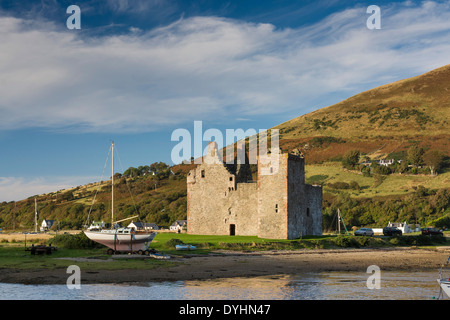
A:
{"x":404,"y":227}
{"x":178,"y":225}
{"x":96,"y":225}
{"x":415,"y":227}
{"x":143,"y":226}
{"x":386,"y":162}
{"x":46,"y":225}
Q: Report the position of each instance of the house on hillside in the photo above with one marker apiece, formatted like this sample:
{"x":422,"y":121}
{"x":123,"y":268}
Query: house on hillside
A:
{"x":386,"y":162}
{"x":143,"y":226}
{"x":96,"y":226}
{"x":46,"y":225}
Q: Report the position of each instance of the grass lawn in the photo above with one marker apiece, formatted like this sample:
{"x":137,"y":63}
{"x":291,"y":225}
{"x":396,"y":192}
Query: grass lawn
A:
{"x":206,"y":243}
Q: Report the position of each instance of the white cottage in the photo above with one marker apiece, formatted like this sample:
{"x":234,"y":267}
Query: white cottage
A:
{"x":178,"y":225}
{"x":143,"y":226}
{"x":404,"y":227}
{"x":46,"y":225}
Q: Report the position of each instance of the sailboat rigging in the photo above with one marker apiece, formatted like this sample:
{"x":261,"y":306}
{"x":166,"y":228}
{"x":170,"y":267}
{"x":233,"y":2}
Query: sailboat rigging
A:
{"x":119,"y":239}
{"x":340,"y":220}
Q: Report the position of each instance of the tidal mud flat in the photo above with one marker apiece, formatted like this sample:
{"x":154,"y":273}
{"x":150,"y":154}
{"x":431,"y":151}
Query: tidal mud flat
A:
{"x":229,"y":264}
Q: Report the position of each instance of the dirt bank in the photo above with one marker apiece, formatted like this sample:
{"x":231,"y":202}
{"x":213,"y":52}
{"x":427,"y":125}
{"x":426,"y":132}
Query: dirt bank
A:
{"x":226,"y":264}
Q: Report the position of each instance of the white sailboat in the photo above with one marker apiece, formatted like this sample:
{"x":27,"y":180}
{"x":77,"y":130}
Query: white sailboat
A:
{"x":121,"y":239}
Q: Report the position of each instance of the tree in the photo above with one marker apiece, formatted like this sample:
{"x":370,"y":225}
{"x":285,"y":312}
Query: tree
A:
{"x":351,"y":158}
{"x":441,"y":200}
{"x":131,"y":172}
{"x":158,"y":167}
{"x":434,"y":159}
{"x":415,"y":155}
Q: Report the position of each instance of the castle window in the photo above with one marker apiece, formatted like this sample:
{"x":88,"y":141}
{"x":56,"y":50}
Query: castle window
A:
{"x":231,"y":178}
{"x":276,"y":208}
{"x":271,"y":170}
{"x":203,"y":173}
{"x":307,"y":212}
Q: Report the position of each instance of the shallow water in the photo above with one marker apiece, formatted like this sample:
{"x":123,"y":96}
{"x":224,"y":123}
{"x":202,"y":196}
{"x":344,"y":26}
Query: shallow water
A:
{"x":309,"y":286}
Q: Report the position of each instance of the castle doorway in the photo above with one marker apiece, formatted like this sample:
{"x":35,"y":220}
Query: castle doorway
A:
{"x":232,"y":229}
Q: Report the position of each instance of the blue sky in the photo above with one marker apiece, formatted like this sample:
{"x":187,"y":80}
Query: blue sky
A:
{"x":138,"y":70}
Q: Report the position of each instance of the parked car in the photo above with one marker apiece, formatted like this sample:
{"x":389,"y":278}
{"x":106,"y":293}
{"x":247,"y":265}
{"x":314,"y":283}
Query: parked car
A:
{"x":432,"y":232}
{"x":392,"y":231}
{"x":364,"y":232}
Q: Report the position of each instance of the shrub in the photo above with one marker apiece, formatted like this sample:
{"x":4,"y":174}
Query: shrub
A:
{"x":346,"y":242}
{"x":395,"y":241}
{"x":354,"y":185}
{"x":351,"y":159}
{"x":420,"y":240}
{"x":173,"y":242}
{"x":73,"y":241}
{"x":363,"y":241}
{"x":339,"y":185}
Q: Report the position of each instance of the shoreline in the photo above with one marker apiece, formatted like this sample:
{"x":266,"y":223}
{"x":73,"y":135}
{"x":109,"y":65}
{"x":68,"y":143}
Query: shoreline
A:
{"x":230,"y":264}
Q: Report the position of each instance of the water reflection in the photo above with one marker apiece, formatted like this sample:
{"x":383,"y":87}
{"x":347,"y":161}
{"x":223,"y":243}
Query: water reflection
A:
{"x":310,"y":286}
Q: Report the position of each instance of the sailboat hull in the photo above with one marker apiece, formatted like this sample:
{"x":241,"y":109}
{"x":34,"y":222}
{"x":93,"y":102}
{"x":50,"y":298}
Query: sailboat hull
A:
{"x":122,"y":242}
{"x":445,"y":285}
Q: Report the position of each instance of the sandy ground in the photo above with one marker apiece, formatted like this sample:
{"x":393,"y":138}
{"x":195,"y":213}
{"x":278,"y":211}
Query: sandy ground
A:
{"x":226,"y":264}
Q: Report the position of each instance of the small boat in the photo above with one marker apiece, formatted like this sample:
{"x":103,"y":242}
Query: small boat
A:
{"x":445,"y":286}
{"x":185,"y":247}
{"x":121,"y":239}
{"x":444,"y":283}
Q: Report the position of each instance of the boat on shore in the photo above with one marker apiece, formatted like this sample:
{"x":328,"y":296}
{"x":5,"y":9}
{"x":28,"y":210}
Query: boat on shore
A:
{"x":444,"y":283}
{"x":122,"y":239}
{"x":445,"y":286}
{"x":185,"y":247}
{"x":119,"y":239}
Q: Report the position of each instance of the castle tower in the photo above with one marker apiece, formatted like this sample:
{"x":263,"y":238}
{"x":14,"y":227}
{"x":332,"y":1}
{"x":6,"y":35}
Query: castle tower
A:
{"x":287,"y":207}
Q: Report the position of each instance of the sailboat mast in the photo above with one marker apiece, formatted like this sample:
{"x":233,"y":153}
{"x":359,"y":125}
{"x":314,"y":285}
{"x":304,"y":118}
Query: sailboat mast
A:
{"x":339,"y":221}
{"x":35,"y":215}
{"x":112,"y":186}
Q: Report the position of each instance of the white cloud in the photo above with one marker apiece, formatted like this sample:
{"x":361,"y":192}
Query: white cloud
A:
{"x":19,"y":188}
{"x":207,"y":67}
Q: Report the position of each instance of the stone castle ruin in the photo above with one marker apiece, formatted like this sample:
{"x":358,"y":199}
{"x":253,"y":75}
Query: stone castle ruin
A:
{"x":224,"y":200}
